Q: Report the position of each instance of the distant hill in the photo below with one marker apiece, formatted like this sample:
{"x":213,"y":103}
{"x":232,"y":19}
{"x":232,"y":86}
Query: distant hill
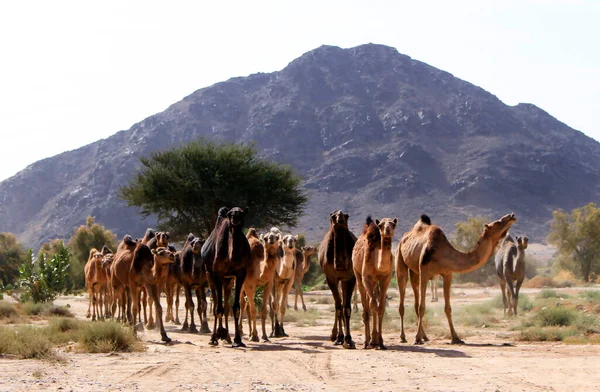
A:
{"x":371,"y":131}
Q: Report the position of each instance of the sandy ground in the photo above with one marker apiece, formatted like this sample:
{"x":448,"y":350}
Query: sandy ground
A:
{"x":307,"y":361}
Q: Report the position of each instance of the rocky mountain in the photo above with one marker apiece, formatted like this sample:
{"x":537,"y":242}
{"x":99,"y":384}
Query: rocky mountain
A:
{"x":371,"y":131}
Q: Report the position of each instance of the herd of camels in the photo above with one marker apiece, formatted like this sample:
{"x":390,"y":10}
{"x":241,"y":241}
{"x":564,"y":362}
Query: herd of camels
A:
{"x":124,"y":283}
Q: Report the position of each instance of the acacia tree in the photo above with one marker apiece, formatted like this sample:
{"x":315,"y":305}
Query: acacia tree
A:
{"x":12,"y":255}
{"x":577,"y":238}
{"x":184,"y":187}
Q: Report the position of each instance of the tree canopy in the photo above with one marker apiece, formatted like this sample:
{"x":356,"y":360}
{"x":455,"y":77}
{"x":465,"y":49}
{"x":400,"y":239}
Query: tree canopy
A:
{"x":466,"y":236}
{"x":184,"y":187}
{"x":577,"y":239}
{"x":88,"y":236}
{"x":12,"y":256}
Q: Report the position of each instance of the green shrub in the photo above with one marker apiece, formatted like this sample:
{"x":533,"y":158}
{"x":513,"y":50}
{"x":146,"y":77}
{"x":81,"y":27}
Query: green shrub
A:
{"x":7,"y":310}
{"x":548,"y":293}
{"x":108,"y":335}
{"x":558,"y":316}
{"x":538,"y":334}
{"x":591,"y":295}
{"x":60,"y":311}
{"x":33,"y":308}
{"x":25,"y":342}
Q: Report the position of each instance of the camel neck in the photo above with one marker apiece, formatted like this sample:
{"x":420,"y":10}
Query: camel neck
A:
{"x":520,"y":261}
{"x":385,"y":261}
{"x":470,"y":261}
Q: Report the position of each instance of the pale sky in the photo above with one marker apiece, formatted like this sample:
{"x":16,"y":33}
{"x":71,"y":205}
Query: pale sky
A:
{"x":73,"y":72}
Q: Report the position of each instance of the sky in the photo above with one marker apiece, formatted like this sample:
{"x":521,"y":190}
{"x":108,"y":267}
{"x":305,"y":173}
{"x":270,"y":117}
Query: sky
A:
{"x":73,"y":72}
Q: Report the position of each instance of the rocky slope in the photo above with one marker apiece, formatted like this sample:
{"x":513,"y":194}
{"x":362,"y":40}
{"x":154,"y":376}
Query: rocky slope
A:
{"x":371,"y":131}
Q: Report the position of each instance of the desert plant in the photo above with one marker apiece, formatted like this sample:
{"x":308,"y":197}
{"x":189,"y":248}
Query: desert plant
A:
{"x":108,"y":336}
{"x":7,"y":310}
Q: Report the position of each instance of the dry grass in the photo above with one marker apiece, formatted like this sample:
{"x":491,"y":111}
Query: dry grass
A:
{"x":7,"y":310}
{"x":324,"y":299}
{"x":302,"y":318}
{"x":562,"y":279}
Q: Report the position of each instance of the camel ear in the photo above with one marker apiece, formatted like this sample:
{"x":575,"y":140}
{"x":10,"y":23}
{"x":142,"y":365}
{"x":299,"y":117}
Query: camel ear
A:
{"x":296,"y":237}
{"x":303,"y":248}
{"x":395,"y":221}
{"x":346,"y":216}
{"x":377,"y":222}
{"x":153,"y":251}
{"x":486,"y":226}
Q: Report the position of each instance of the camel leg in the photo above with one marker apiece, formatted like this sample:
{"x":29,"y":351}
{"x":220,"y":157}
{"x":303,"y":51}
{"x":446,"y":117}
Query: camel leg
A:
{"x":273,"y":308}
{"x":154,"y":293}
{"x":516,"y":298}
{"x":189,"y":309}
{"x":382,"y":304}
{"x":128,"y":305}
{"x":401,"y":277}
{"x":447,"y":279}
{"x":150,"y":300}
{"x":347,"y":291}
{"x":276,"y":330}
{"x":216,"y":288}
{"x":365,"y":313}
{"x":91,"y":296}
{"x":135,"y":305}
{"x":250,"y":291}
{"x":355,"y":301}
{"x":227,"y":294}
{"x":414,"y":282}
{"x":296,"y":293}
{"x":503,"y":290}
{"x":177,"y":290}
{"x":336,"y":336}
{"x":263,"y":311}
{"x":371,"y":303}
{"x":284,"y":301}
{"x":169,"y":294}
{"x":239,"y":282}
{"x":511,"y":295}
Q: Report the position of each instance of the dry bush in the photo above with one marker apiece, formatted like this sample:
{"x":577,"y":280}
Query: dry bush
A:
{"x":7,"y":310}
{"x":108,"y":335}
{"x":25,"y":342}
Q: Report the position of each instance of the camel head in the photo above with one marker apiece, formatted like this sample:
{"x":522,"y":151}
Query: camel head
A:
{"x":271,"y":240}
{"x":196,"y":245}
{"x":163,"y":256}
{"x":499,"y":228}
{"x":236,"y":216}
{"x":252,"y":233}
{"x":288,"y":242}
{"x":162,"y":239}
{"x":95,"y":255}
{"x":386,"y":226}
{"x":275,"y":230}
{"x":338,"y":218}
{"x":522,"y":242}
{"x":105,"y":250}
{"x":107,"y":260}
{"x":308,"y":250}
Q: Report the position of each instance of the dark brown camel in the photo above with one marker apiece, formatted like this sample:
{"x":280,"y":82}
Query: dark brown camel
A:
{"x":149,"y":267}
{"x":119,"y":278}
{"x":191,"y":275}
{"x":335,"y":258}
{"x":230,"y":259}
{"x":510,"y":267}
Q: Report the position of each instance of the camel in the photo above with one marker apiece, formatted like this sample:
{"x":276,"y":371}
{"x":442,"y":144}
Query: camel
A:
{"x":107,"y":259}
{"x":227,"y":256}
{"x":119,"y":279}
{"x":285,"y":274}
{"x":95,"y":280}
{"x":373,"y":263}
{"x":260,"y":274}
{"x":510,"y":267}
{"x":191,"y":275}
{"x":153,"y":240}
{"x":434,"y":287}
{"x":148,"y":268}
{"x":302,"y":266}
{"x":335,"y":258}
{"x":425,"y":251}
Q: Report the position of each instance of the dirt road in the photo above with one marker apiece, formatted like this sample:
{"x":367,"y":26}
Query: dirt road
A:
{"x":307,"y":361}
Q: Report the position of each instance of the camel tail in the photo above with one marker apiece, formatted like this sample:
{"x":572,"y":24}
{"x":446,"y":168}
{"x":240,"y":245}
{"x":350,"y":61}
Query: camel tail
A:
{"x":425,"y":219}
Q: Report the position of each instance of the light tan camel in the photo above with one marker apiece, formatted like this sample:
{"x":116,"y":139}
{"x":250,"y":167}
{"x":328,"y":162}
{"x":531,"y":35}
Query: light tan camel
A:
{"x":302,"y":266}
{"x":425,"y":251}
{"x":335,"y":258}
{"x":119,"y":272}
{"x":260,"y":273}
{"x":107,"y":259}
{"x":148,"y":269}
{"x":510,"y":267}
{"x":434,"y":287}
{"x":373,"y":265}
{"x":285,"y":273}
{"x":95,"y":280}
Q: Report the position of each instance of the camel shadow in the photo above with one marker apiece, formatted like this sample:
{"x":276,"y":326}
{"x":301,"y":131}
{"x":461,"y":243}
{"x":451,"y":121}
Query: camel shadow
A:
{"x":288,"y":346}
{"x":440,"y":352}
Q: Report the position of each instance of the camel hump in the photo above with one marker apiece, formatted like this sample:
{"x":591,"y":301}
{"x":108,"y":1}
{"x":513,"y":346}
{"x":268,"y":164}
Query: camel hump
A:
{"x":425,"y":219}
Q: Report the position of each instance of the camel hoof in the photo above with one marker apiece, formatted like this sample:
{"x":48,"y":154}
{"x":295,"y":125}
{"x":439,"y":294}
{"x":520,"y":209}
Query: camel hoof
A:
{"x":88,"y":315}
{"x":150,"y":325}
{"x":265,"y":340}
{"x":193,"y":329}
{"x":339,"y":341}
{"x":295,"y":308}
{"x":367,"y":346}
{"x":457,"y":341}
{"x":238,"y":344}
{"x":254,"y":339}
{"x":349,"y":345}
{"x":418,"y":342}
{"x":204,"y":328}
{"x":333,"y":337}
{"x":213,"y":342}
{"x":177,"y":322}
{"x":425,"y":338}
{"x":166,"y":339}
{"x":139,"y":327}
{"x":304,"y":307}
